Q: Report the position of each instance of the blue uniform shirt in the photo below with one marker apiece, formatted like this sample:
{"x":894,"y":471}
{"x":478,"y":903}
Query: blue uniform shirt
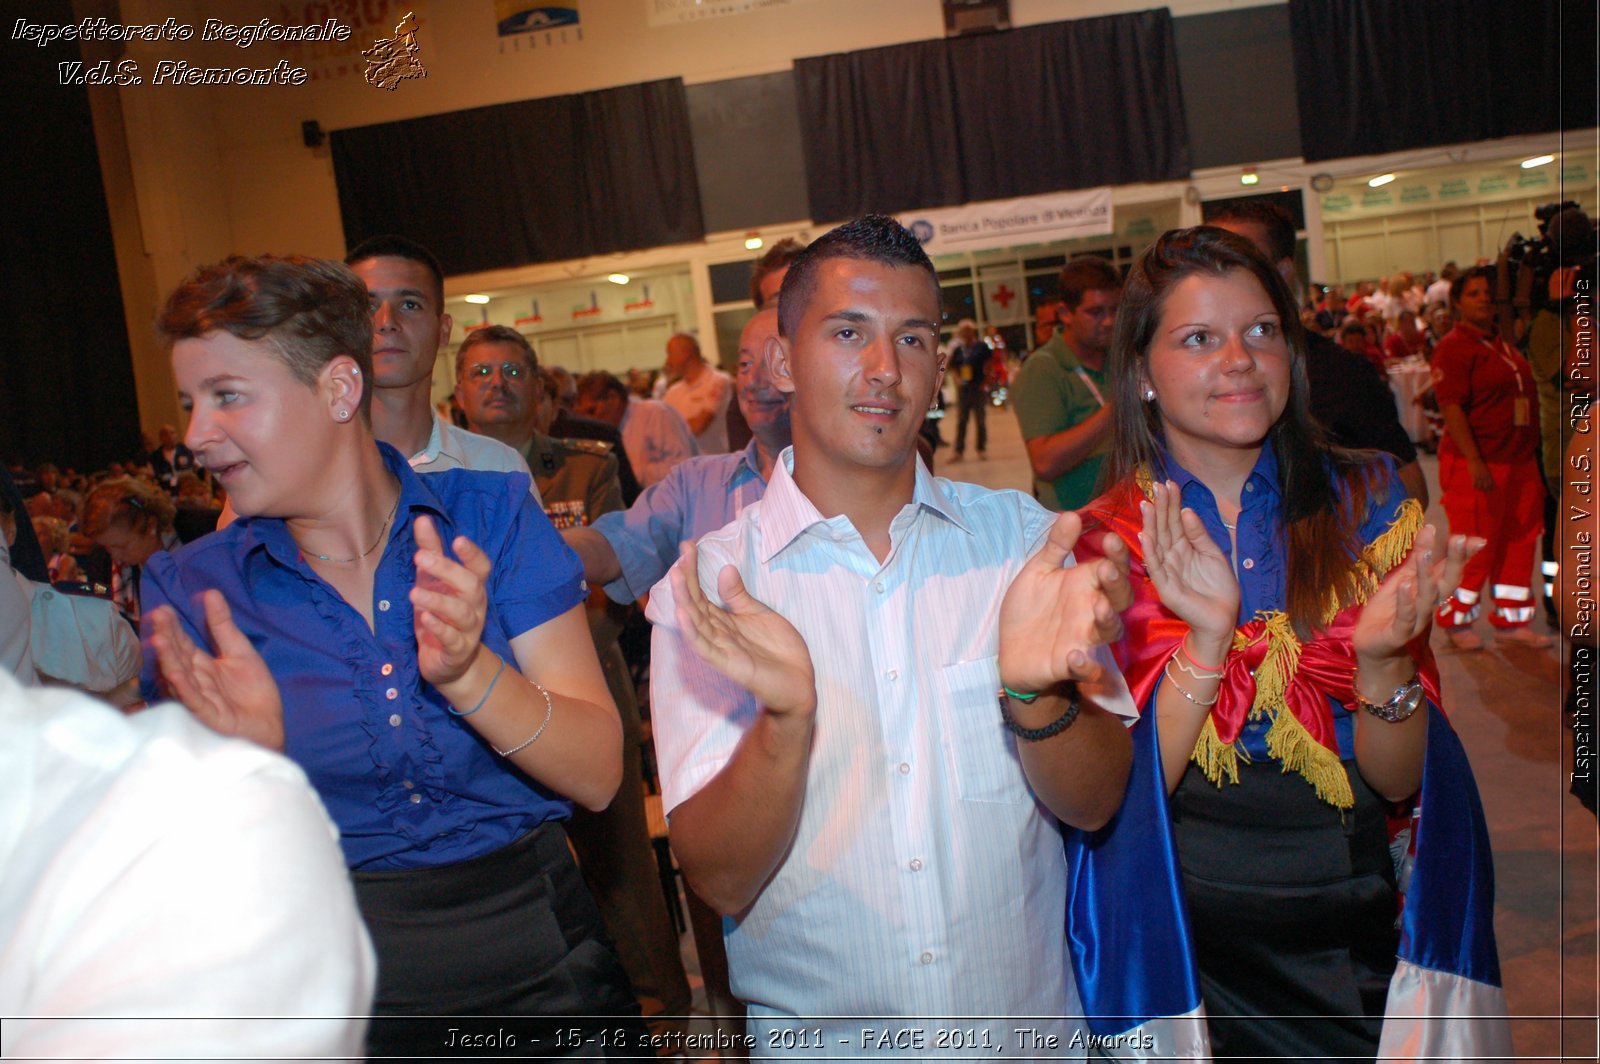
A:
{"x":1261,"y":562}
{"x":698,"y":496}
{"x":408,"y":784}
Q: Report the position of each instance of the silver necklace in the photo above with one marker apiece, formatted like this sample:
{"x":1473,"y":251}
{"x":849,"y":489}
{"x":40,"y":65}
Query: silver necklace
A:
{"x":351,"y":561}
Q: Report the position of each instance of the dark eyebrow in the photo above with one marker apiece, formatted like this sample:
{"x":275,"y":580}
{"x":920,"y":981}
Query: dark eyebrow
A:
{"x":221,"y":378}
{"x":414,"y":292}
{"x":857,"y":316}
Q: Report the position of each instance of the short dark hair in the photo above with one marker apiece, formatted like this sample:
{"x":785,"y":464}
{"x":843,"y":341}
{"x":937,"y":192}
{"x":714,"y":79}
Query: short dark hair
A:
{"x":1084,"y":274}
{"x":495,"y":334}
{"x":598,"y":382}
{"x":871,"y":238}
{"x":1459,"y":285}
{"x":1274,"y":219}
{"x":392,"y":246}
{"x":777,"y":257}
{"x":309,"y":310}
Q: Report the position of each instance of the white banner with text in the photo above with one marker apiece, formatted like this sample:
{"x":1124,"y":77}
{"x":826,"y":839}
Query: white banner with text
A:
{"x":1007,"y":223}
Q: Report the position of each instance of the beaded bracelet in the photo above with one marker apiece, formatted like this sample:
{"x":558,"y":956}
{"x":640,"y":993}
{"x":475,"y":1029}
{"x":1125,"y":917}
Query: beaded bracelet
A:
{"x":549,"y":708}
{"x":487,"y":692}
{"x":1055,"y":727}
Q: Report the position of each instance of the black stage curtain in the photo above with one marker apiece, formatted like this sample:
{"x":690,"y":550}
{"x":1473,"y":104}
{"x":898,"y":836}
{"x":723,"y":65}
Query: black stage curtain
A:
{"x":66,"y":374}
{"x":1065,"y":105}
{"x":535,"y":181}
{"x":1388,"y":75}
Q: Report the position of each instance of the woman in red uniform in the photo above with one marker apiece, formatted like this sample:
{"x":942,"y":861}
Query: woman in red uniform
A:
{"x":1489,"y":466}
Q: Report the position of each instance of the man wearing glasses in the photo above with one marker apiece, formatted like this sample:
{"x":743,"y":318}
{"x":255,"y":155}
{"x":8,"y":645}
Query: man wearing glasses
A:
{"x":507,"y":397}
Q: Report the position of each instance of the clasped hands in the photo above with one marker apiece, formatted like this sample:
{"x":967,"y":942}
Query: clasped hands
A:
{"x":231,"y":690}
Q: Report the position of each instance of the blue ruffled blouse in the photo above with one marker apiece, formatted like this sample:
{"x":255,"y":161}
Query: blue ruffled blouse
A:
{"x":408,"y":784}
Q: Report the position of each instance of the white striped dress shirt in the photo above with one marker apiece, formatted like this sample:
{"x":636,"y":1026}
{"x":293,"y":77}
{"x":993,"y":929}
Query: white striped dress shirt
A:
{"x":925,"y":880}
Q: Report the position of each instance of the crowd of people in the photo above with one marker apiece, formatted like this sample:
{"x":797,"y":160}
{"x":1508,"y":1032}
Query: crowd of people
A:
{"x":873,"y":702}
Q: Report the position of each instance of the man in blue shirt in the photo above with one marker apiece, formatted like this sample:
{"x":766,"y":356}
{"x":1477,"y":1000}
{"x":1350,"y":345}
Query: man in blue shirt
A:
{"x":627,"y":551}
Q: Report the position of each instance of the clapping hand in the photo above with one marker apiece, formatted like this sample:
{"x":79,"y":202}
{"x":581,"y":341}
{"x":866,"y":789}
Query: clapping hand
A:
{"x":1193,"y":578}
{"x":231,"y":692}
{"x":1402,"y":607}
{"x":748,"y":643}
{"x":449,"y":603}
{"x":1051,"y":617}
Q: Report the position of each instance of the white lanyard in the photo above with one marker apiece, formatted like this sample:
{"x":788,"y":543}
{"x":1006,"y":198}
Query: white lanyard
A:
{"x":1087,"y":383}
{"x":1498,"y":346}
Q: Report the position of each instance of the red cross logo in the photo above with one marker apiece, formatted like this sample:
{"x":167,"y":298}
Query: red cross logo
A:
{"x":1004,"y":296}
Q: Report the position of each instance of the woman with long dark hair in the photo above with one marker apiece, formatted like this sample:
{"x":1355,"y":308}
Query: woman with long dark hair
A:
{"x":1278,"y":644}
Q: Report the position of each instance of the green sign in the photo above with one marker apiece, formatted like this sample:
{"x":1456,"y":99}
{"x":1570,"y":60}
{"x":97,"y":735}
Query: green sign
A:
{"x":1376,"y":197}
{"x":1532,"y":178}
{"x":1454,"y":188}
{"x":1493,"y":183}
{"x":1415,"y":194}
{"x":1336,"y":203}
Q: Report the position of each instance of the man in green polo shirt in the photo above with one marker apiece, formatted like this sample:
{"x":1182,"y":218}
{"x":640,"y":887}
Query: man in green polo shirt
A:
{"x":1060,"y":393}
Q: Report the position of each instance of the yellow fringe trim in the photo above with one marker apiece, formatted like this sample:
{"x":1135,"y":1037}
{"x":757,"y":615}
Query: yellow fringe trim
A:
{"x":1290,"y":743}
{"x":1215,"y":757}
{"x":1385,"y":552}
{"x":1287,"y":739}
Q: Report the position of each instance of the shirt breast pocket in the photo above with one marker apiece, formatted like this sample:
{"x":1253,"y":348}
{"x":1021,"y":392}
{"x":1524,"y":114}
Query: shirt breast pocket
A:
{"x":983,"y":755}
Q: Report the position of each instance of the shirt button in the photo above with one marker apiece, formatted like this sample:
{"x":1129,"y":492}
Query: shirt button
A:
{"x":408,"y":785}
{"x":905,"y":769}
{"x":892,"y":674}
{"x":383,"y":605}
{"x":387,"y":668}
{"x":927,"y":957}
{"x":1249,"y":487}
{"x":879,"y":587}
{"x":391,"y":694}
{"x":394,"y":720}
{"x":416,"y":799}
{"x":1249,"y":563}
{"x":916,"y":864}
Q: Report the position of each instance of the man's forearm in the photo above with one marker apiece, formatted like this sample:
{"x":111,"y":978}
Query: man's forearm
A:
{"x":1080,"y":774}
{"x":1059,"y":453}
{"x":600,"y":563}
{"x":732,"y":834}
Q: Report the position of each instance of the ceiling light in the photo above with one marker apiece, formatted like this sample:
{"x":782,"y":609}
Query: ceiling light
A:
{"x":1537,"y":160}
{"x":753,"y":243}
{"x":1381,"y":179}
{"x":618,"y":278}
{"x":476,"y":298}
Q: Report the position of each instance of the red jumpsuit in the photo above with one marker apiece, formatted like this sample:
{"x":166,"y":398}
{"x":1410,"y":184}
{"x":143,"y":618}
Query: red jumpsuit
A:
{"x":1494,"y":386}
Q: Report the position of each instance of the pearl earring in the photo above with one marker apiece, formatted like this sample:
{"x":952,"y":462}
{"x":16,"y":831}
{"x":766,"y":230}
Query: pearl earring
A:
{"x":344,"y":415}
{"x":1149,"y":395}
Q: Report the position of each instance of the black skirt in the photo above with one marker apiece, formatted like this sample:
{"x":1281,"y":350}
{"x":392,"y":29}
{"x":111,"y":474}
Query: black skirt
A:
{"x":1293,"y":909}
{"x":502,"y":955}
